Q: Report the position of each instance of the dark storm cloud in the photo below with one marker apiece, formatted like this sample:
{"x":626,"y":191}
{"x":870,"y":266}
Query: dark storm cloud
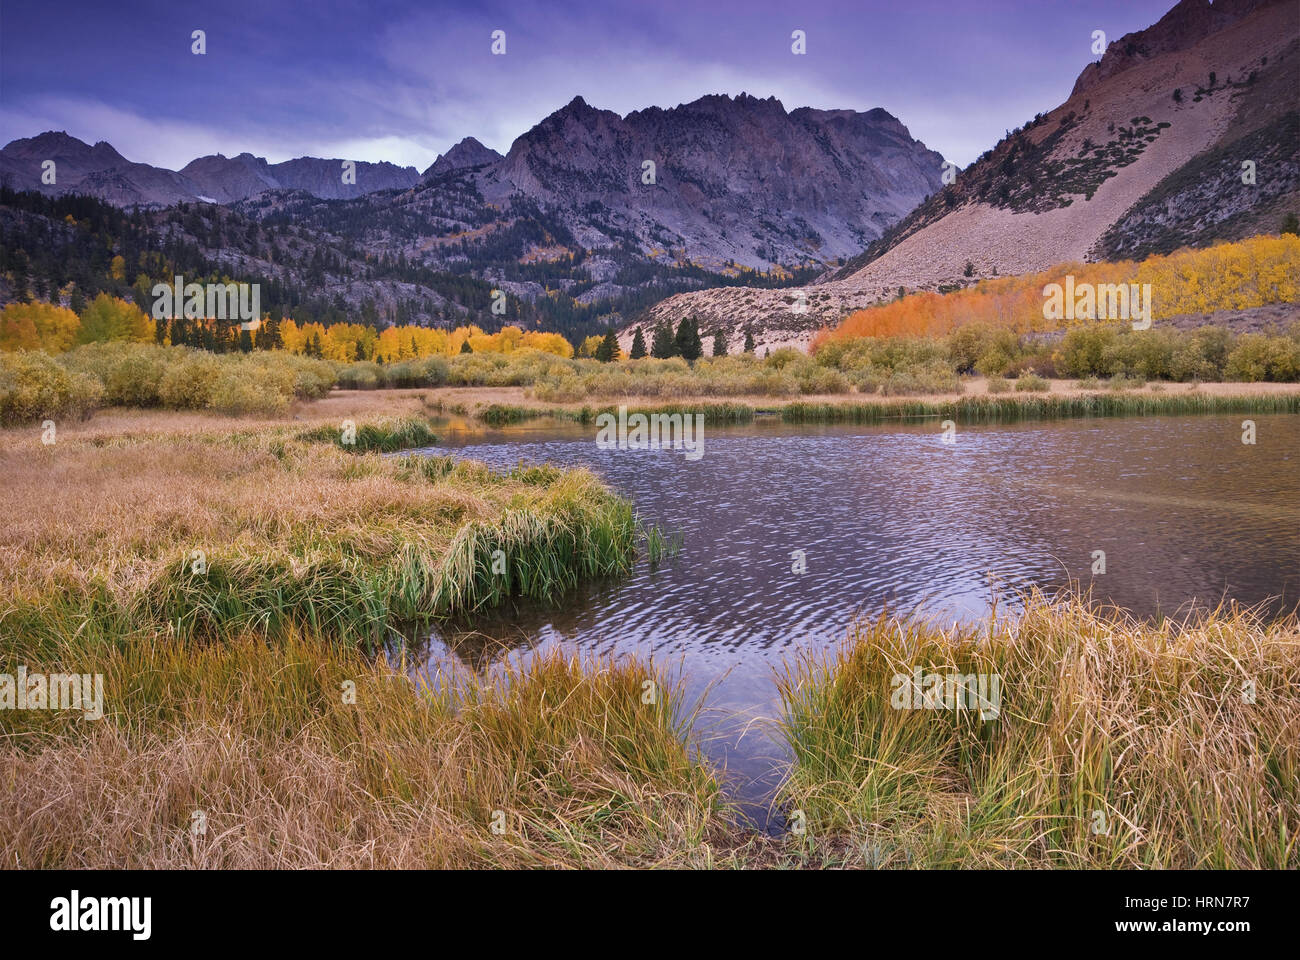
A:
{"x":404,"y":81}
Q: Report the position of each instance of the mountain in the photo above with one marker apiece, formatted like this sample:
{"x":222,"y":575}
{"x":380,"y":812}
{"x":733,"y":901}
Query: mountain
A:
{"x":102,"y":172}
{"x":589,"y":218}
{"x":734,"y":181}
{"x":1145,"y":156}
{"x":99,"y":171}
{"x":467,"y":154}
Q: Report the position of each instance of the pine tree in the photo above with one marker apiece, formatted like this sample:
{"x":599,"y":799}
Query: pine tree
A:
{"x":268,"y":334}
{"x":719,"y":344}
{"x":20,"y":277}
{"x":663,"y":346}
{"x":687,"y":342}
{"x":638,"y":345}
{"x":465,"y":347}
{"x":608,"y":350}
{"x":245,"y":340}
{"x":749,"y":341}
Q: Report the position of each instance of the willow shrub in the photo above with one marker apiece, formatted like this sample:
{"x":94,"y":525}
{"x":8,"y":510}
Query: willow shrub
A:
{"x":34,"y":387}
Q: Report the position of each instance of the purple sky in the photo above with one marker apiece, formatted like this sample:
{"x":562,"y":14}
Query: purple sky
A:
{"x":404,"y":81}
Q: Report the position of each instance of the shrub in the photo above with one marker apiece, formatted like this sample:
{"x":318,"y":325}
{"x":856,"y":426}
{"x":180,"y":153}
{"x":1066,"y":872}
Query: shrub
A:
{"x":995,"y":363}
{"x":1085,"y":350}
{"x":1259,"y":357}
{"x":972,"y":342}
{"x":821,"y":380}
{"x":189,"y":383}
{"x":362,"y":375}
{"x":1123,"y":381}
{"x":1032,"y":383}
{"x":933,"y":377}
{"x":134,"y":380}
{"x":33,"y":387}
{"x":244,"y":392}
{"x":998,"y":385}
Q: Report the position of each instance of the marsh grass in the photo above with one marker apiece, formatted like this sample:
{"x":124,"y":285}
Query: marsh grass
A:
{"x":290,"y":771}
{"x":385,"y":435}
{"x":1143,"y":728}
{"x":268,"y":528}
{"x":984,"y":409}
{"x":714,"y":412}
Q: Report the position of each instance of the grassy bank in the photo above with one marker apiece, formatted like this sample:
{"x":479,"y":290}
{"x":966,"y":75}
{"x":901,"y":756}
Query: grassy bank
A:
{"x":983,"y":402}
{"x":305,"y":754}
{"x":1116,"y":743}
{"x":271,"y":526}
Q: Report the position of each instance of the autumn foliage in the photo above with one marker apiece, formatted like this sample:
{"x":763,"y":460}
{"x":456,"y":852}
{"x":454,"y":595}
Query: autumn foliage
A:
{"x":55,"y":329}
{"x":1228,"y":276}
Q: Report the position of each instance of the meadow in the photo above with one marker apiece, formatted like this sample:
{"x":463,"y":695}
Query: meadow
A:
{"x":240,"y":543}
{"x":265,"y":693}
{"x":69,"y":387}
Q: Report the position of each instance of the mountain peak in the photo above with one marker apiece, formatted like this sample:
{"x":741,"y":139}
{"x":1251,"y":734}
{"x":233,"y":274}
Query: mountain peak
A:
{"x":465,"y":154}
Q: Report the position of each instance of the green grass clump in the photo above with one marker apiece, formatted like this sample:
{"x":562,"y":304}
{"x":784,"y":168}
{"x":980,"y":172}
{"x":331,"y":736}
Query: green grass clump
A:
{"x":570,"y":530}
{"x":384,"y":435}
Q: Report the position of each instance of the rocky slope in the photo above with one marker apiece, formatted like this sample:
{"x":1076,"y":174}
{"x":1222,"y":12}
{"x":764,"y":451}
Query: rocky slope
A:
{"x":1145,"y":156}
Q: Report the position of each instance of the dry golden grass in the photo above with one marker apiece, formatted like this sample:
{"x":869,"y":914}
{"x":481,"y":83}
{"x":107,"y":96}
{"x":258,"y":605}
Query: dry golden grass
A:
{"x":260,"y":742}
{"x":116,"y":500}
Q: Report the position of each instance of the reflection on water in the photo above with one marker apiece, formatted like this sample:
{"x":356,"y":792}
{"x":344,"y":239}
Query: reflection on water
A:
{"x":892,"y":516}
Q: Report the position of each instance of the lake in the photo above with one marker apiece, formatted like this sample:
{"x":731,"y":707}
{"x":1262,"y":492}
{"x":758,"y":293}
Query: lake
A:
{"x":1183,"y":510}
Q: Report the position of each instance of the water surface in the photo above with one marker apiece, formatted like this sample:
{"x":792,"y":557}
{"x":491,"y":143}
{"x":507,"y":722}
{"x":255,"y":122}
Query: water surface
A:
{"x":891,"y":515}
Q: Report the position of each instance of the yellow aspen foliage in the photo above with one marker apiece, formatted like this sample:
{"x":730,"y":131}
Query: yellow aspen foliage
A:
{"x":110,"y":318}
{"x":1228,"y":276}
{"x":588,"y":346}
{"x":38,"y":326}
